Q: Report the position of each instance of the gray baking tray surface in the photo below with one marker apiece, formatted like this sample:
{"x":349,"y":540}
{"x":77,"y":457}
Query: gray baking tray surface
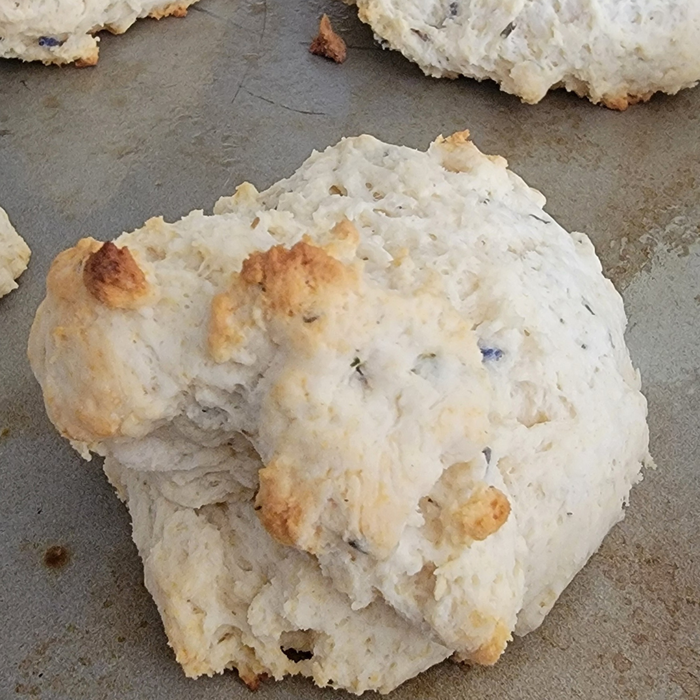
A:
{"x":175,"y":115}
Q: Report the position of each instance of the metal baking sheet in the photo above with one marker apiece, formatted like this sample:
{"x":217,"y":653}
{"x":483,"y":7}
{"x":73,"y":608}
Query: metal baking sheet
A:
{"x":179,"y":112}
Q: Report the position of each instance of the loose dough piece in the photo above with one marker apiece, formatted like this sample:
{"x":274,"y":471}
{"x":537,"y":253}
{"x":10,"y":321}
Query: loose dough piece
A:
{"x":380,"y":413}
{"x":14,"y":255}
{"x":63,"y":31}
{"x":615,"y":53}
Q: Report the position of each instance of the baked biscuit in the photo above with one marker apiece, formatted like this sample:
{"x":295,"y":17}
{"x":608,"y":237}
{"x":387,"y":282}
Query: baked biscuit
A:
{"x":14,"y":255}
{"x":63,"y":31}
{"x":614,"y":53}
{"x":380,"y":413}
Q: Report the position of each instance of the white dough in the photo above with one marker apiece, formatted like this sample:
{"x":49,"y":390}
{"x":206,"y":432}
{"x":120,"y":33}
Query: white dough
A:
{"x":380,"y":413}
{"x":617,"y":52}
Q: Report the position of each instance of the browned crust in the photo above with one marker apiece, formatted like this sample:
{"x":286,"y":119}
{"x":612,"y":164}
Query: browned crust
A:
{"x":345,"y":231}
{"x":88,"y":61}
{"x":291,"y":279}
{"x":114,"y":29}
{"x":622,"y":102}
{"x":279,"y":508}
{"x":456,"y":152}
{"x":327,"y":43}
{"x":223,"y":334}
{"x":176,"y":9}
{"x":252,"y":680}
{"x":484,"y":513}
{"x":344,"y":241}
{"x":459,"y":138}
{"x":291,"y":285}
{"x":112,"y":276}
{"x":487,"y":654}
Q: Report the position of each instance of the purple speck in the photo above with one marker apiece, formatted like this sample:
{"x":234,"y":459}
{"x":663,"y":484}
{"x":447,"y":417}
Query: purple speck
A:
{"x":49,"y":41}
{"x":491,"y":353}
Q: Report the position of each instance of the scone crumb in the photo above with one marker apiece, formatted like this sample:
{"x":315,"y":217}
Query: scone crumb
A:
{"x":328,"y":43}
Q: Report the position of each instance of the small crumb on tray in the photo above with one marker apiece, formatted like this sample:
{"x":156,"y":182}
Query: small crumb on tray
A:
{"x":328,"y":43}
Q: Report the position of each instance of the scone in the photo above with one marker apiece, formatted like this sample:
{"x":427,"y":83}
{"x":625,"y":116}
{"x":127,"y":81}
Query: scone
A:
{"x":614,"y":53}
{"x":375,"y":416}
{"x":14,"y":255}
{"x":63,"y":31}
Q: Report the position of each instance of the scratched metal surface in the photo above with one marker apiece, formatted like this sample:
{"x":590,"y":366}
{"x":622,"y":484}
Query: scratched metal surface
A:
{"x":174,"y":116}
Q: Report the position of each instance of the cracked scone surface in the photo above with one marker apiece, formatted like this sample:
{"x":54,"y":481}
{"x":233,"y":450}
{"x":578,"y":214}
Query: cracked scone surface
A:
{"x":379,"y":414}
{"x":14,"y":255}
{"x":63,"y":31}
{"x":614,"y":53}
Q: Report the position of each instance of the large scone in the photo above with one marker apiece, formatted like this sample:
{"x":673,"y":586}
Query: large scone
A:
{"x":14,"y":255}
{"x":379,"y":414}
{"x":613,"y":52}
{"x":63,"y":31}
